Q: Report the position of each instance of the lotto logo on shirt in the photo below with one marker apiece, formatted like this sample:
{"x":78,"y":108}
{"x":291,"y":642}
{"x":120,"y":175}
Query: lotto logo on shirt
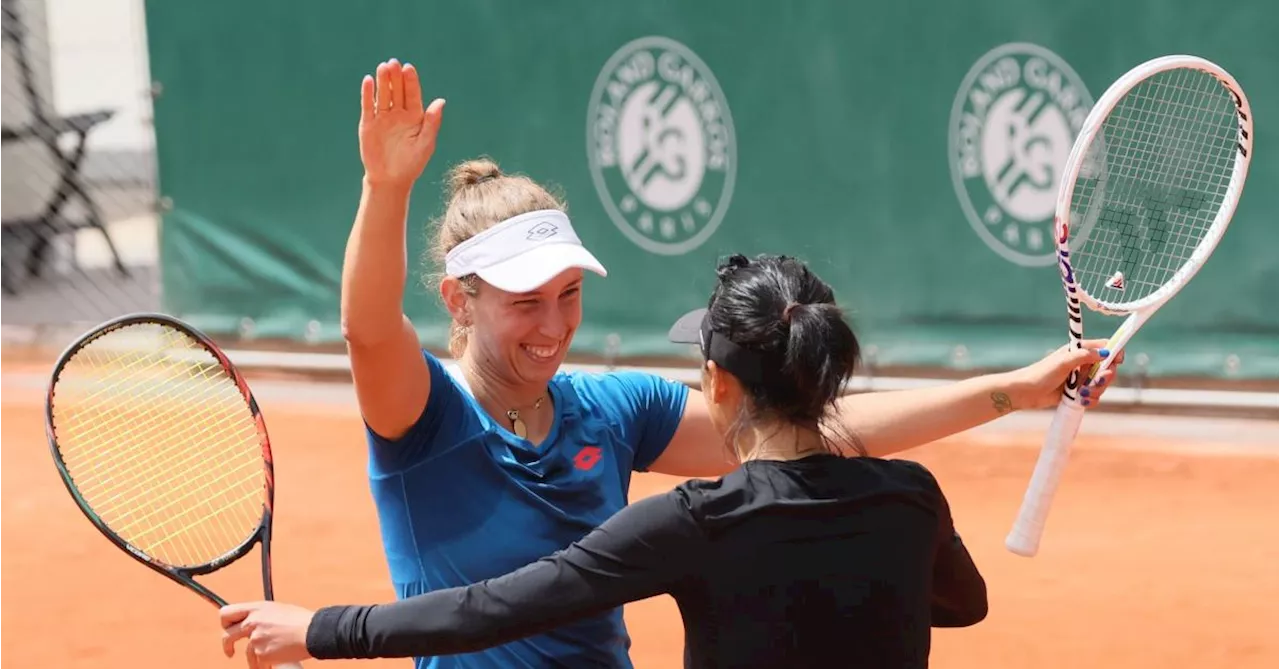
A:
{"x":587,"y":458}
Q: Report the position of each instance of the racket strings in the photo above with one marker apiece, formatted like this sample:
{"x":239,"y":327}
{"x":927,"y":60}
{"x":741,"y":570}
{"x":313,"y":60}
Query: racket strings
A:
{"x":152,"y":417}
{"x":161,"y":445}
{"x":1152,"y":185}
{"x":1148,"y":134}
{"x":1126,"y":225}
{"x":149,"y":481}
{"x":132,"y":505}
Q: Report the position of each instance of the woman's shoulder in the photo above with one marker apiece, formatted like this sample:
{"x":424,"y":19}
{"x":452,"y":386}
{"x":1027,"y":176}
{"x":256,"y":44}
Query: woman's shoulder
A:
{"x":895,"y":475}
{"x":817,"y":481}
{"x":616,"y":388}
{"x":907,"y":470}
{"x":449,"y":417}
{"x":615,"y":379}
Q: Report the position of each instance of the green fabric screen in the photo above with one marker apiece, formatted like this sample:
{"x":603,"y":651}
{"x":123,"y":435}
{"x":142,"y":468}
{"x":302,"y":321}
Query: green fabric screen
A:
{"x":858,"y":136}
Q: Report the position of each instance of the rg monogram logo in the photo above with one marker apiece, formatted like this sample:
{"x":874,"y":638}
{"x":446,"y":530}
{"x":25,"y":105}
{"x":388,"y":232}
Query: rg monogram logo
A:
{"x":587,"y":457}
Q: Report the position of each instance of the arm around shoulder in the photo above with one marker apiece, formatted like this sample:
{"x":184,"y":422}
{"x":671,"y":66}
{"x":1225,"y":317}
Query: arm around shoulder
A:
{"x":663,"y":421}
{"x":889,"y":422}
{"x":696,"y":449}
{"x":642,"y":551}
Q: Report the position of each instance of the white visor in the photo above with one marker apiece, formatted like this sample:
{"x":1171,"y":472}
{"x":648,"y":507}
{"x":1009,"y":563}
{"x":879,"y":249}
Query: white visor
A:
{"x":522,"y":253}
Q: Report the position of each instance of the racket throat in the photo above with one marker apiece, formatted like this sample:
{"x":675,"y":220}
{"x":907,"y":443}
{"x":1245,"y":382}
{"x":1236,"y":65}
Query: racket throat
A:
{"x":1119,"y":340}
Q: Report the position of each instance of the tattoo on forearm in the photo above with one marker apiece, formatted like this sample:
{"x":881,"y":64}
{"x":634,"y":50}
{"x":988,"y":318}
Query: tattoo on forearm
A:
{"x":1001,"y":402}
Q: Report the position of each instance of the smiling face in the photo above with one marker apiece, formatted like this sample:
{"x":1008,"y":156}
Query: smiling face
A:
{"x":521,"y":337}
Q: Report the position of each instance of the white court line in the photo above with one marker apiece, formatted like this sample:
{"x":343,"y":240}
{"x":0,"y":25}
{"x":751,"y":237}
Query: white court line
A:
{"x":1161,"y":433}
{"x":1116,"y":396}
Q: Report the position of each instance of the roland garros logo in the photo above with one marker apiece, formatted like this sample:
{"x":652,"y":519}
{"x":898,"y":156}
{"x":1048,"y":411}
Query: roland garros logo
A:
{"x":1013,"y":122}
{"x":660,"y":145}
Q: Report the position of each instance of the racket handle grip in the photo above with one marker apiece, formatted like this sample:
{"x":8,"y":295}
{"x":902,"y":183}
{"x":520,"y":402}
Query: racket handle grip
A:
{"x":1024,"y":538}
{"x":288,"y":665}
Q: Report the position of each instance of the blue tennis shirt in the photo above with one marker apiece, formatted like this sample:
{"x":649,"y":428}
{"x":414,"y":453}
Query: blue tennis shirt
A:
{"x":461,"y":499}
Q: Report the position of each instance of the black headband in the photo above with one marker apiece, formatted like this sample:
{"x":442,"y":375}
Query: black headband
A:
{"x":750,"y":367}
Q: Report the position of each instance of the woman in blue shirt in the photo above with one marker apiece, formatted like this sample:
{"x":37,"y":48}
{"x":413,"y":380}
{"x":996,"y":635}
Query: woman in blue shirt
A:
{"x":480,"y":471}
{"x":800,"y":557}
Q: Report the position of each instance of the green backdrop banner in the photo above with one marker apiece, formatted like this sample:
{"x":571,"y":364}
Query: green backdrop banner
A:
{"x":866,"y":139}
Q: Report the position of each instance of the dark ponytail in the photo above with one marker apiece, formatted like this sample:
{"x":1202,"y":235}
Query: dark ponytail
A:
{"x":776,"y":307}
{"x":821,"y":354}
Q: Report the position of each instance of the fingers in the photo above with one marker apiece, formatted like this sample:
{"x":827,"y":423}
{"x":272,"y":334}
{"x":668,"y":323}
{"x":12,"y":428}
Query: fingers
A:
{"x":228,"y":645}
{"x":1091,"y":392}
{"x":397,"y":83}
{"x":231,"y":635}
{"x":383,"y":99}
{"x":1084,"y":358}
{"x":431,"y":120}
{"x":234,"y":613}
{"x":235,"y":625}
{"x":251,"y":655}
{"x":394,"y":86}
{"x":1101,"y":344}
{"x":1093,"y":387}
{"x":412,"y":90}
{"x":436,"y":109}
{"x":366,"y":99}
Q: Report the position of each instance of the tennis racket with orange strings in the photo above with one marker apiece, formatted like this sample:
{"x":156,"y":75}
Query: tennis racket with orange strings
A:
{"x":161,"y":444}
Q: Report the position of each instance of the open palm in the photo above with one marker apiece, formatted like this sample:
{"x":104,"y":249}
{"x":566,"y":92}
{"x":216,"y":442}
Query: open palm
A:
{"x":397,"y":136}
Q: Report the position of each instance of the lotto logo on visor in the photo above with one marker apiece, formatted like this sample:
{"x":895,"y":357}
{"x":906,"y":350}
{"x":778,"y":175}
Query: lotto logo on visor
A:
{"x":541,"y":231}
{"x":522,"y":253}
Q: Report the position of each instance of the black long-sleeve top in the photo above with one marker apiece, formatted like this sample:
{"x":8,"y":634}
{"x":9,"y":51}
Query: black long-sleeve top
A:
{"x":819,"y":561}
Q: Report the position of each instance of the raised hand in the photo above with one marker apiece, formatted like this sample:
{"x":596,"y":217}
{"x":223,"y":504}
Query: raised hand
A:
{"x":397,"y":136}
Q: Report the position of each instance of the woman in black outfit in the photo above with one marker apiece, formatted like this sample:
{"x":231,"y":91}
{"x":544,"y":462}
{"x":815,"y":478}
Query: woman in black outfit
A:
{"x":799,"y":557}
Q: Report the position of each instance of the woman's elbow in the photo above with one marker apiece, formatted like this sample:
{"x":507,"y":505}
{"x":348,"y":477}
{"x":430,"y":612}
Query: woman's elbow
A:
{"x":964,"y":613}
{"x":971,"y":615}
{"x":366,"y":332}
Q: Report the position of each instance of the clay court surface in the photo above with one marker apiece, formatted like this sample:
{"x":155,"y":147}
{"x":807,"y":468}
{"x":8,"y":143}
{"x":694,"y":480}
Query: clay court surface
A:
{"x":1161,"y":552}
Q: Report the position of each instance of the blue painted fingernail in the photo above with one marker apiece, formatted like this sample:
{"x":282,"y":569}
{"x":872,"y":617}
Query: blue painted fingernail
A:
{"x":1104,"y":352}
{"x":1086,"y":402}
{"x":1099,"y":382}
{"x":1084,"y":391}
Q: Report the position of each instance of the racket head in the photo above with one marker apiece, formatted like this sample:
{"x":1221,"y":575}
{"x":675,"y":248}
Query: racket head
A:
{"x":1150,"y":185}
{"x":1164,"y":153}
{"x":161,"y":444}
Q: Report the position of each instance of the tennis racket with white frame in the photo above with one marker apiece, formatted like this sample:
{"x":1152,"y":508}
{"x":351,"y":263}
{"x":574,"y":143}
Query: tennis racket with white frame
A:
{"x":1150,"y":185}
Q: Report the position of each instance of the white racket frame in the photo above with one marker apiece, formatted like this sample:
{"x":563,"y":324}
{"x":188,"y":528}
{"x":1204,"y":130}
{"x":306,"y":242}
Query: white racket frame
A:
{"x":1028,"y":527}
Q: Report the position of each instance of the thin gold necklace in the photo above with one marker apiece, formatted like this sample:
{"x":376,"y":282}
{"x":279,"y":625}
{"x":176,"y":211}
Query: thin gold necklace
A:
{"x":518,"y":425}
{"x":797,"y":455}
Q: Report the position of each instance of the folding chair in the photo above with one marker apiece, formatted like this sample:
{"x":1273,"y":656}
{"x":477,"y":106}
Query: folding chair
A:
{"x":37,"y":139}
